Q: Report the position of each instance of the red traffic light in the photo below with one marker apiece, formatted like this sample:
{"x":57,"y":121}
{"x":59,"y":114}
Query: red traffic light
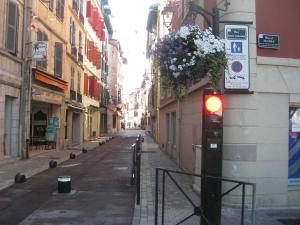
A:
{"x":213,"y":103}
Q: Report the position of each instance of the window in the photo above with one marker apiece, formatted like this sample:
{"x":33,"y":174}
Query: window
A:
{"x":42,"y":36}
{"x":12,"y":28}
{"x":294,"y":147}
{"x":79,"y":82}
{"x":80,"y":40}
{"x":72,"y":77}
{"x":173,"y":124}
{"x":72,"y":32}
{"x":114,"y":121}
{"x":58,"y":52}
{"x":60,"y":6}
{"x":81,"y":7}
{"x":50,"y":3}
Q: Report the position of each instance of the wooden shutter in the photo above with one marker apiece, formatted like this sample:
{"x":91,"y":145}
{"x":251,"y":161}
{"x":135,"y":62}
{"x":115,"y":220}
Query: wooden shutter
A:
{"x":58,"y":51}
{"x":91,"y":85}
{"x":44,"y":63}
{"x":79,"y":82}
{"x":60,"y":5}
{"x":51,"y":5}
{"x":12,"y":27}
{"x":86,"y":84}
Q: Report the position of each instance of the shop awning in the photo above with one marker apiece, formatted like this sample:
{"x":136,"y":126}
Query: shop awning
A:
{"x":50,"y":79}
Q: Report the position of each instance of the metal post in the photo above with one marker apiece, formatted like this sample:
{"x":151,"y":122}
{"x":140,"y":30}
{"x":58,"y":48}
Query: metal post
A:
{"x":163,"y":199}
{"x":253,"y":204}
{"x":138,"y":171}
{"x":156,"y":196}
{"x":243,"y":205}
{"x":215,"y":21}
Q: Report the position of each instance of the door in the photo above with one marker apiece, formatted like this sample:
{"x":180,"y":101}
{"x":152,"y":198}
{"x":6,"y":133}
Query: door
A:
{"x":76,"y":128}
{"x":103,"y":123}
{"x":8,"y":126}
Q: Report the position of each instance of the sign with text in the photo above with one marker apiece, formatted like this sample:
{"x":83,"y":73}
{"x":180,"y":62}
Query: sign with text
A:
{"x":237,"y":51}
{"x":39,"y":50}
{"x":268,"y":41}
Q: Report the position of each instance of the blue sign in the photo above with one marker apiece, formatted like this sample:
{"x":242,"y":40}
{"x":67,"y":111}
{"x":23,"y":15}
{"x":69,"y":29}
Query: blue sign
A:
{"x":294,"y":146}
{"x":236,"y":66}
{"x":236,"y":47}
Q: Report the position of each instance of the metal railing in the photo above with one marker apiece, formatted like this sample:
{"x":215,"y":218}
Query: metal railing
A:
{"x":197,"y":210}
{"x":136,"y":167}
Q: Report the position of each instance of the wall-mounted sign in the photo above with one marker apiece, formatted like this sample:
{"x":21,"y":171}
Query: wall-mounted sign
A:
{"x":237,"y":50}
{"x":39,"y":50}
{"x":268,"y":41}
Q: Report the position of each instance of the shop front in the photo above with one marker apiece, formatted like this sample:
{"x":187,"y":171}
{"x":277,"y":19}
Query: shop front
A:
{"x":45,"y":120}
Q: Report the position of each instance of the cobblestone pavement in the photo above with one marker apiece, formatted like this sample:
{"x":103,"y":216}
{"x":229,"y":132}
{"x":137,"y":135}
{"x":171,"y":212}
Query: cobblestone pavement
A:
{"x":177,"y":207}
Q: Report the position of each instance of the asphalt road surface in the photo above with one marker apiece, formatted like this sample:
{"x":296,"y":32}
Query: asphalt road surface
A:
{"x":101,"y":191}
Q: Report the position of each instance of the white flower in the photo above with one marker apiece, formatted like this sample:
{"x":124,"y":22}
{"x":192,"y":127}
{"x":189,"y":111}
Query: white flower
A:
{"x":184,"y":59}
{"x":172,"y":67}
{"x":176,"y":74}
{"x":180,"y":67}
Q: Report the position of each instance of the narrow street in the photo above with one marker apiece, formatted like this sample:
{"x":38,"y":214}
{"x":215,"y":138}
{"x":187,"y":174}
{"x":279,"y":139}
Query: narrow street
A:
{"x":101,"y":191}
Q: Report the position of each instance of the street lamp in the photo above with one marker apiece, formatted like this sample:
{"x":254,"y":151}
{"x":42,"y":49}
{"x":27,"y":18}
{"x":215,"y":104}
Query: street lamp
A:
{"x":167,"y":14}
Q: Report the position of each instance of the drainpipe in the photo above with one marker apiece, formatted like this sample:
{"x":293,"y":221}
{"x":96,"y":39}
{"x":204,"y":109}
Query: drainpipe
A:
{"x":25,"y":92}
{"x":179,"y":117}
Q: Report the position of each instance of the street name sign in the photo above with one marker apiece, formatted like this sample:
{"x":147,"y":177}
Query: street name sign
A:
{"x":268,"y":41}
{"x":237,"y":51}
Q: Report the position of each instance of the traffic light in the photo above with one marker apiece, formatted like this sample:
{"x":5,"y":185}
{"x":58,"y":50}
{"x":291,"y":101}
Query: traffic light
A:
{"x":212,"y":141}
{"x":212,"y":123}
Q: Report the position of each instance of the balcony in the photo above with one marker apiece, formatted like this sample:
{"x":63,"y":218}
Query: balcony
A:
{"x":80,"y":58}
{"x":81,"y":19}
{"x":75,"y":6}
{"x":73,"y":95}
{"x":79,"y":97}
{"x":74,"y":51}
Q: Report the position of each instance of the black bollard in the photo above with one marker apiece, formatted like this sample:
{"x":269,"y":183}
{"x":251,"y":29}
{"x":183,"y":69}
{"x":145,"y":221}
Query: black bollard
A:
{"x":64,"y":184}
{"x":52,"y":164}
{"x":84,"y":150}
{"x":72,"y":155}
{"x":20,"y":178}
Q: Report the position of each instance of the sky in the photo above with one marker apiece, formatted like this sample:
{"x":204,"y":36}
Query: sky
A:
{"x":129,"y":19}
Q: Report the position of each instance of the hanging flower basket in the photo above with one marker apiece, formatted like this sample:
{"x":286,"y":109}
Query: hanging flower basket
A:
{"x":187,"y":56}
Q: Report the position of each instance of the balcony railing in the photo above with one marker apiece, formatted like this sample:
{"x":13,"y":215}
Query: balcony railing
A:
{"x":72,"y":95}
{"x":79,"y":97}
{"x":80,"y":57}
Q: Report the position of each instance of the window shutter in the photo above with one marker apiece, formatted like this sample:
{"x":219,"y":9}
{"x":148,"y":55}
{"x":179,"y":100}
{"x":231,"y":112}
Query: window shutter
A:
{"x":58,"y":59}
{"x":91,"y":85}
{"x":79,"y":82}
{"x":44,"y":63}
{"x":51,"y":5}
{"x":71,"y":29}
{"x":60,"y":5}
{"x":12,"y":27}
{"x":86,"y":84}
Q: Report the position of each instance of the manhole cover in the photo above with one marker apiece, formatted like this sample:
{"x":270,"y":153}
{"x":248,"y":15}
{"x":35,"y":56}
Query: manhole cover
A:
{"x":290,"y":221}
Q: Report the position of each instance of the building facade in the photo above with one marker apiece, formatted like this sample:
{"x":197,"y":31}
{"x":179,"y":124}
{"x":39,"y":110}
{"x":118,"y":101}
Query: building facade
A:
{"x":49,"y":77}
{"x":261,"y":127}
{"x":10,"y":76}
